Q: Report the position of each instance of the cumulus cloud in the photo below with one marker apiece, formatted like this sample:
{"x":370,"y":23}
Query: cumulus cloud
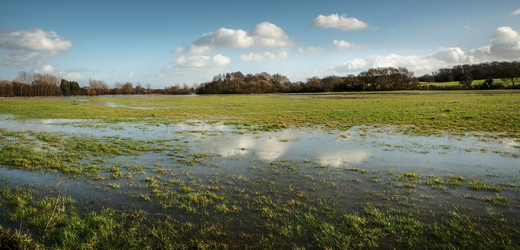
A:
{"x":345,"y":45}
{"x":417,"y":64}
{"x":453,"y":55}
{"x":310,"y":50}
{"x":25,"y":57}
{"x":72,"y":74}
{"x":199,"y":53}
{"x":186,"y":64}
{"x":263,"y":56}
{"x":199,"y":50}
{"x":125,"y":75}
{"x":177,"y":50}
{"x":201,"y":62}
{"x":34,"y":46}
{"x":33,"y":39}
{"x":339,"y":22}
{"x":264,"y":35}
{"x":516,"y":12}
{"x":505,"y":44}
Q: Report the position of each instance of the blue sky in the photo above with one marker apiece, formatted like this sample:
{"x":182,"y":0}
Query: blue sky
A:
{"x":168,"y":42}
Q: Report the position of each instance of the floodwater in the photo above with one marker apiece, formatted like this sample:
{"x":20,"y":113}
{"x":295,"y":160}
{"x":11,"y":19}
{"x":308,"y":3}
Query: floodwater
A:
{"x":357,"y":163}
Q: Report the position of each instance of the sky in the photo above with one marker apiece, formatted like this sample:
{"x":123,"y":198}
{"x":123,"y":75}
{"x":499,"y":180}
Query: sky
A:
{"x":184,"y":42}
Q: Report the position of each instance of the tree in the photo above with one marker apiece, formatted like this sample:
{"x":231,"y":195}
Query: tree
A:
{"x":426,"y":78}
{"x":466,"y":80}
{"x":127,"y":88}
{"x":512,"y":73}
{"x":6,"y":89}
{"x":331,"y":82}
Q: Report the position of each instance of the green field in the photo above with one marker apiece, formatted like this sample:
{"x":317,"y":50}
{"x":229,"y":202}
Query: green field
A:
{"x":377,"y":170}
{"x":475,"y":83}
{"x":458,"y":111}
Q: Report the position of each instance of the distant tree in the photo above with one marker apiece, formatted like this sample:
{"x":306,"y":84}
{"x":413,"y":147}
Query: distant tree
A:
{"x":330,"y":83}
{"x":512,"y":73}
{"x":127,"y":88}
{"x":427,"y":78}
{"x":466,"y":80}
{"x":65,"y":87}
{"x":6,"y":89}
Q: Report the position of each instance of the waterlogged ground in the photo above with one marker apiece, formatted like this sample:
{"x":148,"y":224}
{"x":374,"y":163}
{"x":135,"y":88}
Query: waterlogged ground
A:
{"x":196,"y":184}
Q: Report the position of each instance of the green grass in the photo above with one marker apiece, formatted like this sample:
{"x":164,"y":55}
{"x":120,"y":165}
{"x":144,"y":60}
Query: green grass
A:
{"x":206,"y":201}
{"x":62,"y":226}
{"x":456,"y":111}
{"x":475,"y":82}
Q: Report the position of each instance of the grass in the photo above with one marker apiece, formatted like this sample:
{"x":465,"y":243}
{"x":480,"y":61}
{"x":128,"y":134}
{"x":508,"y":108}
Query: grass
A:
{"x":187,"y":198}
{"x":371,"y":228}
{"x":475,"y":82}
{"x":456,"y":111}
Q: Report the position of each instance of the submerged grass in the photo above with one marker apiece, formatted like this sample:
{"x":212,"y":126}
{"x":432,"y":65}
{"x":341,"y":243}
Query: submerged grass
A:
{"x":186,"y":198}
{"x":373,"y":227}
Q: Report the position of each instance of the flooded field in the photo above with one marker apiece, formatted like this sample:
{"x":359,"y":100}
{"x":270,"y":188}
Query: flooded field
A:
{"x":207,"y":184}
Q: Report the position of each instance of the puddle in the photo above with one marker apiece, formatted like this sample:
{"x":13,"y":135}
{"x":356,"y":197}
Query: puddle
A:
{"x":343,"y":166}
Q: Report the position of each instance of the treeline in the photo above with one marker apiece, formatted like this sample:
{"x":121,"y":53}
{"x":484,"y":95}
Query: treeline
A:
{"x":507,"y":71}
{"x":375,"y":79}
{"x":37,"y":84}
{"x":370,"y":80}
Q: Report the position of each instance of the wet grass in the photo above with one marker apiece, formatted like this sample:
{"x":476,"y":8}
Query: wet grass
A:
{"x":60,"y":223}
{"x":425,"y":112}
{"x":270,"y":204}
{"x":106,"y":192}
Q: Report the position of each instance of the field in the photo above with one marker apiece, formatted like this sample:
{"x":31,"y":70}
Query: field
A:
{"x":474,"y":83}
{"x":371,"y":170}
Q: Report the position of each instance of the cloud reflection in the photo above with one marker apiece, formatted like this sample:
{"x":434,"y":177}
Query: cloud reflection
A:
{"x":263,"y":148}
{"x":343,"y":157}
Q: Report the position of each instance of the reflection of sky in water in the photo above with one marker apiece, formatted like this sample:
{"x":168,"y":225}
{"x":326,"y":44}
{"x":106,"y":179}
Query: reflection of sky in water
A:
{"x":377,"y":150}
{"x":343,"y":157}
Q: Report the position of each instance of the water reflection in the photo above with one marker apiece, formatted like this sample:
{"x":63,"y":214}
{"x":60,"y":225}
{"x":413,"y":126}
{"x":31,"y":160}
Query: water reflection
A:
{"x":369,"y":149}
{"x":343,"y":157}
{"x":262,"y":148}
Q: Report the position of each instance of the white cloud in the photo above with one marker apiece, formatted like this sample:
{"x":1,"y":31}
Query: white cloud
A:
{"x":417,"y":64}
{"x":47,"y":68}
{"x":177,"y":50}
{"x":310,"y":50}
{"x":201,"y":62}
{"x":125,"y":75}
{"x":516,"y":12}
{"x":346,"y":45}
{"x":30,"y":47}
{"x":264,"y":35}
{"x":33,"y":39}
{"x":198,"y":50}
{"x":263,"y":56}
{"x":187,"y":64}
{"x":453,"y":55}
{"x":25,"y":57}
{"x":339,"y":22}
{"x":74,"y":76}
{"x":71,"y":75}
{"x":393,"y":31}
{"x":505,"y":44}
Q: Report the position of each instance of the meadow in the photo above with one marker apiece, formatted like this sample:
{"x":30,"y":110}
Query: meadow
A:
{"x":378,"y":170}
{"x":474,"y":83}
